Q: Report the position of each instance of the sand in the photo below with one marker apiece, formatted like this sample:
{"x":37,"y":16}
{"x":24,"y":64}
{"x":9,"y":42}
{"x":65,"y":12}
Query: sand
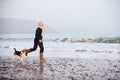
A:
{"x":59,"y":68}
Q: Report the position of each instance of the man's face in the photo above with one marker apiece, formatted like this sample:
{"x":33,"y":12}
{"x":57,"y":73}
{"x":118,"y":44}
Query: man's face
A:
{"x":41,"y":24}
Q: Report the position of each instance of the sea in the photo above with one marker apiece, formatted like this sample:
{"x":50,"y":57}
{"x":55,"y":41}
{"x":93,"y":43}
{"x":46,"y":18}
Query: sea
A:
{"x":63,"y":45}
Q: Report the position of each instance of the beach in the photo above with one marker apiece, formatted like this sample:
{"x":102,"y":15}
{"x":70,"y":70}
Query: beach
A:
{"x":66,"y":58}
{"x":58,"y":68}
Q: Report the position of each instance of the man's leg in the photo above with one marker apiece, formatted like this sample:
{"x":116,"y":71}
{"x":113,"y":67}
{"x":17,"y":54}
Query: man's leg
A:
{"x":41,"y":52}
{"x":41,"y":47}
{"x":35,"y":46}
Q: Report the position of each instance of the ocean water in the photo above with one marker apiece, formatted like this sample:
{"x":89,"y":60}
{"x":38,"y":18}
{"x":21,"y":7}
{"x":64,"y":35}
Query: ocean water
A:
{"x":63,"y":45}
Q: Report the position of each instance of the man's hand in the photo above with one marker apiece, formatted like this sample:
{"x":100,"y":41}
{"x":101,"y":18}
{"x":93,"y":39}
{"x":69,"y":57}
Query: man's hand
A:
{"x":40,"y":41}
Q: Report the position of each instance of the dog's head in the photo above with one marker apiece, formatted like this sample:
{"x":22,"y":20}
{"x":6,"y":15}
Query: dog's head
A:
{"x":24,"y":52}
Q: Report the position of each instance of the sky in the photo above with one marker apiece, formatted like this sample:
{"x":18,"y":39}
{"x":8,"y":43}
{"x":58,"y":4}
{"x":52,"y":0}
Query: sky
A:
{"x":84,"y":17}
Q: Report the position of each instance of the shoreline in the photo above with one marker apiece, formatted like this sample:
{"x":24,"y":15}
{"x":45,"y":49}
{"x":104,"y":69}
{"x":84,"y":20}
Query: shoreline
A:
{"x":81,"y":53}
{"x":59,"y":68}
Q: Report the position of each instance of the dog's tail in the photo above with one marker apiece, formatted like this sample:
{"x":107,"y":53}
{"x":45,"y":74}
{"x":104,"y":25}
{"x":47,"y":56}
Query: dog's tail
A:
{"x":15,"y":49}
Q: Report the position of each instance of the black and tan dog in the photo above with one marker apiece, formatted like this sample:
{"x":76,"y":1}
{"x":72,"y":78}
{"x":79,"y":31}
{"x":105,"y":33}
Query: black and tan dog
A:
{"x":22,"y":53}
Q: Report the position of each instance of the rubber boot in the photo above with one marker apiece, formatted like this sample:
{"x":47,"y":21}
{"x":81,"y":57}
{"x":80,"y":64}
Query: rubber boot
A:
{"x":42,"y":58}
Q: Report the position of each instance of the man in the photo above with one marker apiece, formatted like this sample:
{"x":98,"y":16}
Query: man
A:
{"x":38,"y":41}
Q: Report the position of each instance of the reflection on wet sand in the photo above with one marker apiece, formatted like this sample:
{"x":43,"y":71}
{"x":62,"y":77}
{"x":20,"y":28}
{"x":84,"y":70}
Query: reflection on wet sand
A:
{"x":59,"y":69}
{"x":41,"y":71}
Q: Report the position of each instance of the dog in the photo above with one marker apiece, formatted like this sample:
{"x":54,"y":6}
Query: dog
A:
{"x":22,"y":53}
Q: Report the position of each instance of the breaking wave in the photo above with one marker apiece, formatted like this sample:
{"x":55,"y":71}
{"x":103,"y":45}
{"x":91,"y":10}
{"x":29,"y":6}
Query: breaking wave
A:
{"x":89,"y":40}
{"x":14,"y":39}
{"x":66,"y":39}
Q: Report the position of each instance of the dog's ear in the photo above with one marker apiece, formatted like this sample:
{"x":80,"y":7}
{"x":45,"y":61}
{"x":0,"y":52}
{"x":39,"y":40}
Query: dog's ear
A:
{"x":24,"y":50}
{"x":26,"y":54}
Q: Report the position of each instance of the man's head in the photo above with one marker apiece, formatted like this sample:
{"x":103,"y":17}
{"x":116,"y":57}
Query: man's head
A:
{"x":40,"y":24}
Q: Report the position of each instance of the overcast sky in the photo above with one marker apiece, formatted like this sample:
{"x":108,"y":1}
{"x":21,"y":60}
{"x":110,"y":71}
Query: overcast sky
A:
{"x":85,"y":17}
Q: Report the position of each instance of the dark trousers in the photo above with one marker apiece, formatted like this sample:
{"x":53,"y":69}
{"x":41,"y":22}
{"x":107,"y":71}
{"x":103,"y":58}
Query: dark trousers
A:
{"x":36,"y":43}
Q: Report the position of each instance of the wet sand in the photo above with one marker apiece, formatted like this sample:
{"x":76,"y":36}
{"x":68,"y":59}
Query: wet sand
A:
{"x":59,"y":69}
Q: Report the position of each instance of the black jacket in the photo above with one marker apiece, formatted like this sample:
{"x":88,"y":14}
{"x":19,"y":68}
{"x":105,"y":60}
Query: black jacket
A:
{"x":38,"y":33}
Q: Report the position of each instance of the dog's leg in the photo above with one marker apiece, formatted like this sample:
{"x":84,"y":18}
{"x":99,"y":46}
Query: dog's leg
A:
{"x":21,"y":59}
{"x":13,"y":56}
{"x":26,"y":55}
{"x":21,"y":56}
